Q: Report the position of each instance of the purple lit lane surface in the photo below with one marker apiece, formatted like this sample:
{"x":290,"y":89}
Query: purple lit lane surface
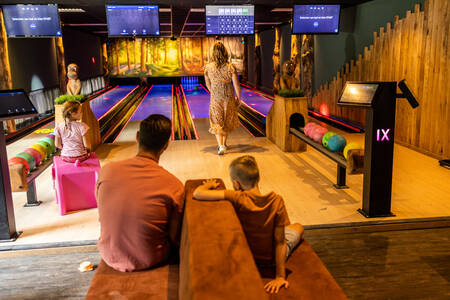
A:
{"x":198,"y":101}
{"x":256,"y":101}
{"x":103,"y":103}
{"x":157,"y":101}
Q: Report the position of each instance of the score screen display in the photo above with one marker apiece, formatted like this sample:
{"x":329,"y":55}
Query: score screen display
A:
{"x":31,"y":20}
{"x":132,"y":20}
{"x":230,"y":20}
{"x":313,"y":19}
{"x":359,"y":93}
{"x":15,"y":103}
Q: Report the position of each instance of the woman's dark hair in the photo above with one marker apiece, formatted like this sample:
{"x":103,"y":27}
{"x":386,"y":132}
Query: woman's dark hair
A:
{"x":154,"y":132}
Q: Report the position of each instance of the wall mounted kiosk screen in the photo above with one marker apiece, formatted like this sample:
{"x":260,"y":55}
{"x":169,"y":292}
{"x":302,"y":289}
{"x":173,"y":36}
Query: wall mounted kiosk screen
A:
{"x":132,"y":20}
{"x":31,"y":20}
{"x":230,"y":20}
{"x":358,"y":93}
{"x":15,"y":104}
{"x":311,"y":19}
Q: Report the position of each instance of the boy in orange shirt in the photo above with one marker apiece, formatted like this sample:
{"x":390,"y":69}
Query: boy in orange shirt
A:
{"x":264,"y":218}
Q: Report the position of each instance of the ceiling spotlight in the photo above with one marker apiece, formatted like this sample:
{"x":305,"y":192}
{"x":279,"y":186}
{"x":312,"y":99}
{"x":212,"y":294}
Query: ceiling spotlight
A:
{"x":71,"y":10}
{"x":197,"y":10}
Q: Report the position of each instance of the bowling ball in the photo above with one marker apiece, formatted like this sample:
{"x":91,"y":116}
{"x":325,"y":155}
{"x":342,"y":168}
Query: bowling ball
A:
{"x":337,"y":143}
{"x":318,"y":133}
{"x":326,"y":138}
{"x":51,"y":142}
{"x":41,"y":150}
{"x":195,"y":87}
{"x":47,"y":146}
{"x":19,"y":160}
{"x":308,"y":128}
{"x":36,"y":154}
{"x":52,"y":136}
{"x":350,"y":146}
{"x":29,"y":158}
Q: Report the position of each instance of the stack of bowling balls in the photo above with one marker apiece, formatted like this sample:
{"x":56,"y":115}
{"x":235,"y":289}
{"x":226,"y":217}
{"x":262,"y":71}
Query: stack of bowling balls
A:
{"x":37,"y":153}
{"x":315,"y":131}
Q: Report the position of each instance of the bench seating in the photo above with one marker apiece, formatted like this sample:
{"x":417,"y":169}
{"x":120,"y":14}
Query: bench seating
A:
{"x":215,"y":260}
{"x":216,"y":263}
{"x":154,"y":284}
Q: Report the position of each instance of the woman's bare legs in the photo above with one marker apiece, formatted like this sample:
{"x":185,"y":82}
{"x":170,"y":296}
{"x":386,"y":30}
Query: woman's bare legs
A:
{"x":219,"y":139}
{"x":224,"y":139}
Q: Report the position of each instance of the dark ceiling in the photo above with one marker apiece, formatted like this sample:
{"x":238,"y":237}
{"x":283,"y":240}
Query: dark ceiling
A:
{"x":185,"y":21}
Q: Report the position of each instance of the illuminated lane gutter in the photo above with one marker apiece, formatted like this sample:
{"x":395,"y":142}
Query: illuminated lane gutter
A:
{"x":111,"y":130}
{"x":251,"y":108}
{"x":101,"y":92}
{"x":131,"y":116}
{"x":173,"y":134}
{"x":190,"y":114}
{"x":262,"y":94}
{"x":101,"y":117}
{"x":359,"y":130}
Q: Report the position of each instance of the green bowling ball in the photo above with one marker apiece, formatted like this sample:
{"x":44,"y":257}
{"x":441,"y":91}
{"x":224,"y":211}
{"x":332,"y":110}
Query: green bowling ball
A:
{"x":326,"y":138}
{"x":29,"y":158}
{"x":51,"y":142}
{"x":47,"y":147}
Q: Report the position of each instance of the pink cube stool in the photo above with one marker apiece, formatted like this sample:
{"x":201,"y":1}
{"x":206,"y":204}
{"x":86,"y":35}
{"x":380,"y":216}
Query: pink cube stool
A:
{"x":74,"y":183}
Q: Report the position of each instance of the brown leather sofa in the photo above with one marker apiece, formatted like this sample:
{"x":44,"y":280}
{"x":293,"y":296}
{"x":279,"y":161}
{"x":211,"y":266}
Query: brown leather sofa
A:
{"x":216,"y":263}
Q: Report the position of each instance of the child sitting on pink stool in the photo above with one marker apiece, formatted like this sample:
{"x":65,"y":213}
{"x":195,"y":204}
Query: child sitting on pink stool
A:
{"x":75,"y":172}
{"x":70,"y":135}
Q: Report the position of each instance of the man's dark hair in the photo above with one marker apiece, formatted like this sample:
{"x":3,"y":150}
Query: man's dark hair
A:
{"x":154,"y":132}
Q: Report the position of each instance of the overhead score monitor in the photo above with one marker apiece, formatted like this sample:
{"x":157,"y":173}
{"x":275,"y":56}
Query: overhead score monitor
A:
{"x":15,"y":104}
{"x":358,"y":93}
{"x":230,"y":19}
{"x":132,"y":20}
{"x":23,"y":20}
{"x":316,"y":19}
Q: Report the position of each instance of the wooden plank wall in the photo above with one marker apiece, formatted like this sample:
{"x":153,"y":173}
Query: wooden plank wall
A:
{"x":416,"y":49}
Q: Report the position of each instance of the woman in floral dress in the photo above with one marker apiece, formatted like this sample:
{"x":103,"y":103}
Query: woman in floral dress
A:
{"x":220,"y":77}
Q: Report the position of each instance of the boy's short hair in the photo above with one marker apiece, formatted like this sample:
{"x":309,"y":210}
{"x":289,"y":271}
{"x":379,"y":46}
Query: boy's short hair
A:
{"x":245,"y":170}
{"x":154,"y":132}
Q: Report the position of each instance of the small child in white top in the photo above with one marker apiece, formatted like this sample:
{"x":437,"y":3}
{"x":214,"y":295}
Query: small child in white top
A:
{"x":70,"y":136}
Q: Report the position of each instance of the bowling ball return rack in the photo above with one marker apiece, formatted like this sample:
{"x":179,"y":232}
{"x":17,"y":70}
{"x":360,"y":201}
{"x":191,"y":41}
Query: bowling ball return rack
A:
{"x":379,"y":100}
{"x":334,"y":156}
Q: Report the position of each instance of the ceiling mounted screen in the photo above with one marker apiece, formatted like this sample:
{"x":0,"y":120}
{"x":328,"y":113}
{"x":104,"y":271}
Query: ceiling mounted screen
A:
{"x":31,"y":20}
{"x":132,"y":20}
{"x":316,"y":19}
{"x":230,"y":19}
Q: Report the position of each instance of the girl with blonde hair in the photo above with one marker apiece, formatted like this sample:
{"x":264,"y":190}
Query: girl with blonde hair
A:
{"x":70,"y":134}
{"x":220,"y":77}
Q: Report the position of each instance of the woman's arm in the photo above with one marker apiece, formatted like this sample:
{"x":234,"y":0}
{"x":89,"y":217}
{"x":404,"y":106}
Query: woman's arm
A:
{"x":207,"y":80}
{"x":207,"y":191}
{"x":236,"y":84}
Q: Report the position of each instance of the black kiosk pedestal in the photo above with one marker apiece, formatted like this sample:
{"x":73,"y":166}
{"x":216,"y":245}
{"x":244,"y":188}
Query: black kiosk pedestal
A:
{"x":14,"y":104}
{"x":379,"y":100}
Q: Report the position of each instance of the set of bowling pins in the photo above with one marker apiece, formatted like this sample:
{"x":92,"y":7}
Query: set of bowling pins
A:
{"x":189,"y":81}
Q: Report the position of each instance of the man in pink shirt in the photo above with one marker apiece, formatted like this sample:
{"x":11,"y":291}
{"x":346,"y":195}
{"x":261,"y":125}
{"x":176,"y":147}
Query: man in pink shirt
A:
{"x":140,"y":203}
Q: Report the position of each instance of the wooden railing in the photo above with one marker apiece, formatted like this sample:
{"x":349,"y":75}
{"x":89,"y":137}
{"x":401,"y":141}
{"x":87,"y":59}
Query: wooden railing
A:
{"x":417,"y":49}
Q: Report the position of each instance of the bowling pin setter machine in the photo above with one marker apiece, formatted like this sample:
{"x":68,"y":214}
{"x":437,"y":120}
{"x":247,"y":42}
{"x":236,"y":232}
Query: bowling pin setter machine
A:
{"x":379,"y":100}
{"x":14,"y":104}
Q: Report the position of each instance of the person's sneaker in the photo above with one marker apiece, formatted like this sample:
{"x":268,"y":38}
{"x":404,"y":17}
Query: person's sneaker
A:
{"x":221,"y":150}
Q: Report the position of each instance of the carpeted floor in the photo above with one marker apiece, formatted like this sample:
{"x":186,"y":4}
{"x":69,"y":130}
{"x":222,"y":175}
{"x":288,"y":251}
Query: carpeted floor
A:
{"x":407,"y":264}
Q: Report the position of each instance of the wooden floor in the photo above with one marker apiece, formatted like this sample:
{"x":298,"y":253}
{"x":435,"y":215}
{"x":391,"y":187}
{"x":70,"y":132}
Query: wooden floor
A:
{"x":305,"y":180}
{"x":408,"y":264}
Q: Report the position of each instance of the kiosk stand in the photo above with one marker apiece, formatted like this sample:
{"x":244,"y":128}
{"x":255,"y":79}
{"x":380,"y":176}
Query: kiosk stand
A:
{"x":379,"y":100}
{"x":14,"y":104}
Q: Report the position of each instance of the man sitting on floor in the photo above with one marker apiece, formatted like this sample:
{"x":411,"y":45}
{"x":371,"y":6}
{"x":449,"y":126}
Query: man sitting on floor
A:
{"x":140,"y":203}
{"x":264,"y":218}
